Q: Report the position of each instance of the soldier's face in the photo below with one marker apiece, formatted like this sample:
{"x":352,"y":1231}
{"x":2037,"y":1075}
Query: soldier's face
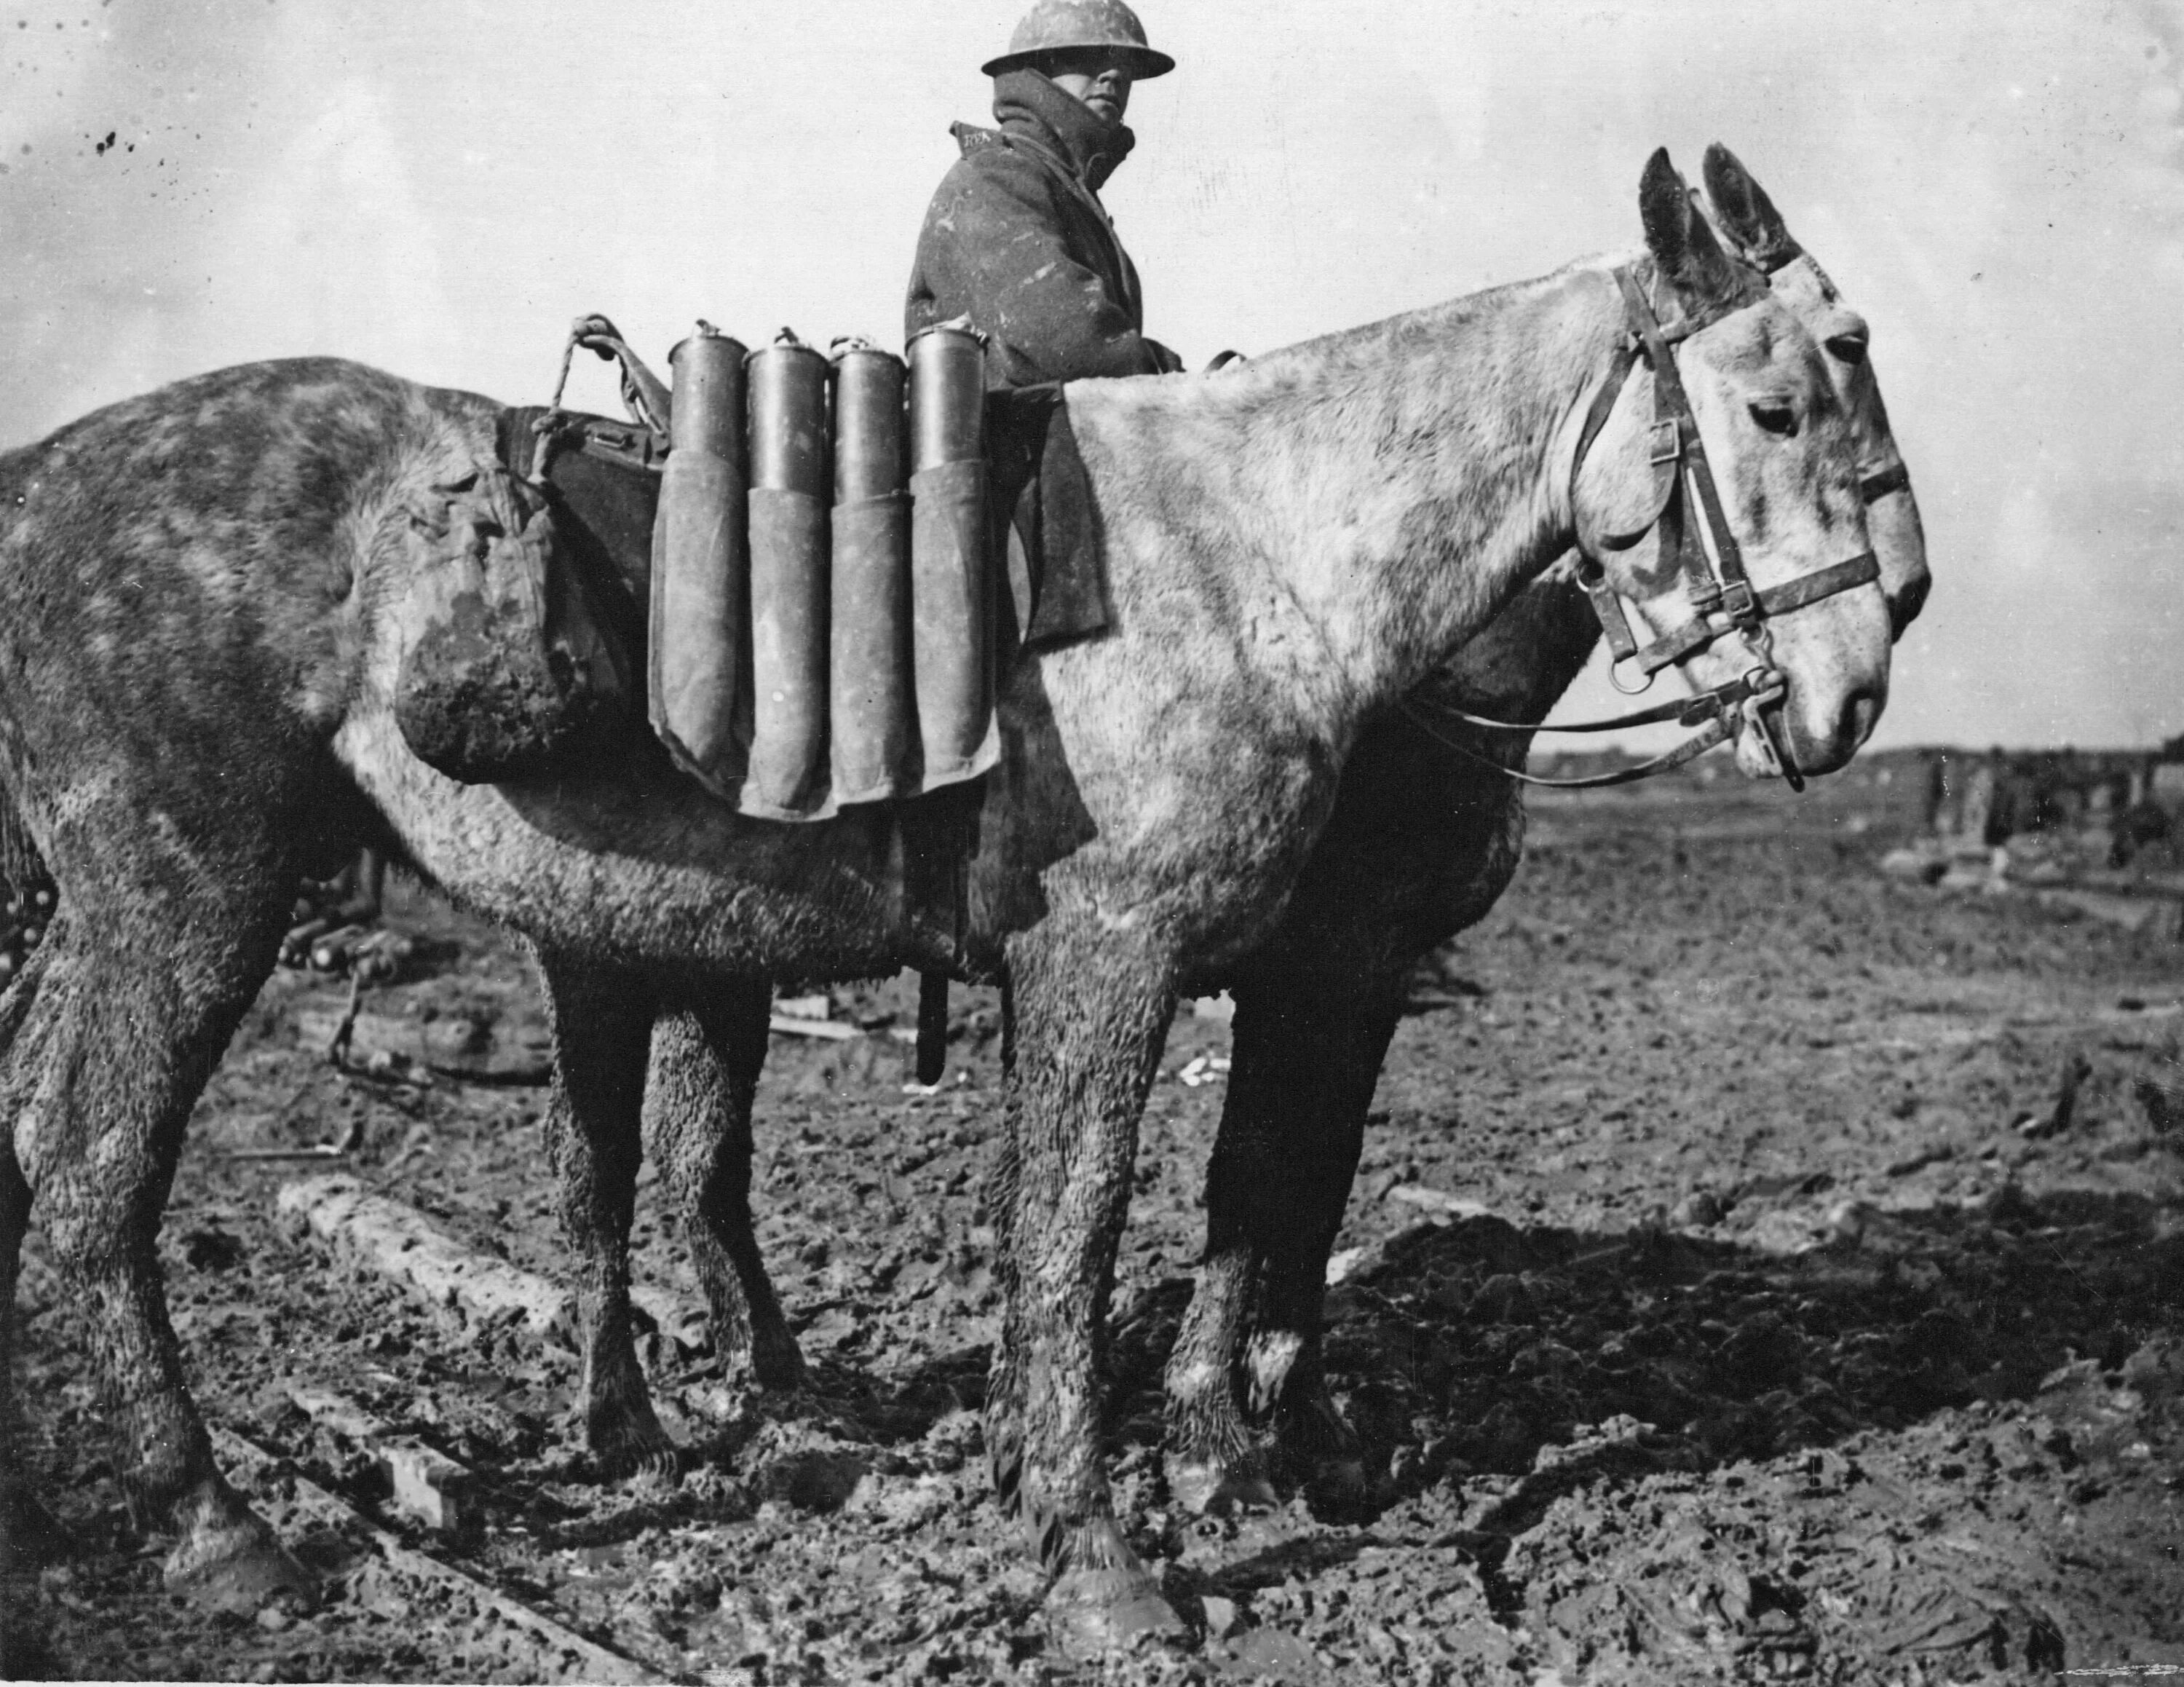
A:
{"x":1093,"y":78}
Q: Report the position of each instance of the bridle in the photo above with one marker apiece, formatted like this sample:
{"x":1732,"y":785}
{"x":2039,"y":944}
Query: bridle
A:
{"x":1716,"y":584}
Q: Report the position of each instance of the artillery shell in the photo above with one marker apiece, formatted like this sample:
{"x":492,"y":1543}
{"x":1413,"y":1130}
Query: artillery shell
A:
{"x":7,"y":965}
{"x":868,"y":424}
{"x":32,"y":936}
{"x":788,"y":386}
{"x":43,"y":898}
{"x":947,"y":396}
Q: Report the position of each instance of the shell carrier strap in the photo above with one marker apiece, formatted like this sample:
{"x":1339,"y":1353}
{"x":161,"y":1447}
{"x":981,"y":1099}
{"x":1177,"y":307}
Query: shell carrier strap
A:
{"x":1718,"y":588}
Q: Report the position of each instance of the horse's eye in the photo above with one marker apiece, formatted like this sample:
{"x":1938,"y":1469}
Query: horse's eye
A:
{"x":1774,"y":416}
{"x":1850,"y":347}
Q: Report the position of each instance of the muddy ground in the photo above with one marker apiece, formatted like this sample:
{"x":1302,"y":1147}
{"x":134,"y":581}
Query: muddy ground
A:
{"x":1791,"y":1336}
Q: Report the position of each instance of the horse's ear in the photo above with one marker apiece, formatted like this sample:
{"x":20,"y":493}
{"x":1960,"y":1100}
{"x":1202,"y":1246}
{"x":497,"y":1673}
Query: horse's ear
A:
{"x":1747,"y":215}
{"x":1693,"y":266}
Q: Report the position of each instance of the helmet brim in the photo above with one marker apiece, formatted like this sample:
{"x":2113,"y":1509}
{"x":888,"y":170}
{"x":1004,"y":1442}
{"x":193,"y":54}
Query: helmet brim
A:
{"x":1142,"y":63}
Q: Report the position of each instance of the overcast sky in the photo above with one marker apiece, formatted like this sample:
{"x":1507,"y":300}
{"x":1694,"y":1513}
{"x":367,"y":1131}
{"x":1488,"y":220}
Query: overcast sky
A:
{"x":438,"y":189}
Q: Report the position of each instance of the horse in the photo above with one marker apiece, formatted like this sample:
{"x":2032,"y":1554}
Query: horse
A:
{"x":198,"y":680}
{"x":1421,"y":843}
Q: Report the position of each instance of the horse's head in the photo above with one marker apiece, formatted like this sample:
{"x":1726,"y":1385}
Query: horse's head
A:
{"x":1715,"y":487}
{"x":1756,"y":232}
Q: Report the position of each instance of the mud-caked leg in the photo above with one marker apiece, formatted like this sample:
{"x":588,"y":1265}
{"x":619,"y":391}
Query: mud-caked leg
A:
{"x":1306,"y":1056}
{"x":602,"y":1020}
{"x":28,"y":1534}
{"x":136,"y":999}
{"x":1090,"y":1014}
{"x":706,"y":1055}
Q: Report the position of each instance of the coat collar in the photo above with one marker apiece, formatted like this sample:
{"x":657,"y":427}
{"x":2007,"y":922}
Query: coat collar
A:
{"x":1029,"y":107}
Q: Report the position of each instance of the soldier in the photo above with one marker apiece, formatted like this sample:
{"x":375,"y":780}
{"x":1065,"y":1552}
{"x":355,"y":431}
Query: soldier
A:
{"x":1015,"y":238}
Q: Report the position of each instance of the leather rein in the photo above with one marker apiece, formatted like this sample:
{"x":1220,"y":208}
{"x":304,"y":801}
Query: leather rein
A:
{"x":1716,"y":585}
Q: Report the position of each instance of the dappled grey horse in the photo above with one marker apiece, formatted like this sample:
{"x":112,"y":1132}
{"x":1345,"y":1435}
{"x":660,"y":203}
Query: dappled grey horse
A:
{"x":199,"y":689}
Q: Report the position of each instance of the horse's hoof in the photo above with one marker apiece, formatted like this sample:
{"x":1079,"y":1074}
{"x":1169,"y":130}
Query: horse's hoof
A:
{"x":240,"y":1569}
{"x":1093,"y":1613}
{"x":662,"y":1469}
{"x":628,"y":1443}
{"x":652,"y":1463}
{"x":1209,"y":1489}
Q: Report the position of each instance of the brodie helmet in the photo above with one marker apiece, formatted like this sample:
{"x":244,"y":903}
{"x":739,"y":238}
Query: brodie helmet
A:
{"x":1059,"y":26}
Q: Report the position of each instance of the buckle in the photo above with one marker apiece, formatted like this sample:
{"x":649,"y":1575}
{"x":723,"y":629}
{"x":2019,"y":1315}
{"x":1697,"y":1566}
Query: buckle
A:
{"x":1674,"y":450}
{"x":1738,"y":604}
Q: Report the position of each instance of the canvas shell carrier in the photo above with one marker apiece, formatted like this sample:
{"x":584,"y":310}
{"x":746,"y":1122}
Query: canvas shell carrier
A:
{"x":821,"y":623}
{"x":797,"y":542}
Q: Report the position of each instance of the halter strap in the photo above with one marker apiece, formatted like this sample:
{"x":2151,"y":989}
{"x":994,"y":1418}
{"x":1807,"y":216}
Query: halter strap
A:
{"x":1717,"y":586}
{"x":1877,"y":486}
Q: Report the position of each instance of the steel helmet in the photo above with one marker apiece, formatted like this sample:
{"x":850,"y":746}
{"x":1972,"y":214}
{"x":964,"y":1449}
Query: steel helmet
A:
{"x":1057,"y":25}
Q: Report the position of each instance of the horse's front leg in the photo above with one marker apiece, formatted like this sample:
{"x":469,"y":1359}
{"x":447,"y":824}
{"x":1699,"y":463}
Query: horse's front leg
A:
{"x":1305,"y":1058}
{"x":1090,"y":1013}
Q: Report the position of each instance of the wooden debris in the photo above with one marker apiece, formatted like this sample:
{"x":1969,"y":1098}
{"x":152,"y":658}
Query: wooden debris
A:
{"x":1438,"y":1202}
{"x":321,"y":1150}
{"x":598,"y":1662}
{"x":400,"y":1243}
{"x":795,"y":1025}
{"x":427,"y":1485}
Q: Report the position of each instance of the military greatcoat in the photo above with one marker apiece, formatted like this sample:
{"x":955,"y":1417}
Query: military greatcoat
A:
{"x":1016,"y":240}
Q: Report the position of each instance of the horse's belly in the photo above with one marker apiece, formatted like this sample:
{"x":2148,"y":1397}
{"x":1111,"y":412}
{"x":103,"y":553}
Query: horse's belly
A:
{"x":609,"y":866}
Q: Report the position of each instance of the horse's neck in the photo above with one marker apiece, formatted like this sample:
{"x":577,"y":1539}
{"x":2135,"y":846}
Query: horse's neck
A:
{"x":1528,"y":655}
{"x":1389,"y":488}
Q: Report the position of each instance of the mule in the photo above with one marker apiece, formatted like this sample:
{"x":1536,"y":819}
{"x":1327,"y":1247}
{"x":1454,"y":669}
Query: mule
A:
{"x":198,"y":686}
{"x":1421,"y":842}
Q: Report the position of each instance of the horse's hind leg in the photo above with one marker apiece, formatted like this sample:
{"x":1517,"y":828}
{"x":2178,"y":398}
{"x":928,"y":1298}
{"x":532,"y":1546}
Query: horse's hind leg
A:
{"x":29,"y":1535}
{"x":602,"y":1021}
{"x":1306,"y":1056}
{"x":136,"y":999}
{"x":706,"y":1055}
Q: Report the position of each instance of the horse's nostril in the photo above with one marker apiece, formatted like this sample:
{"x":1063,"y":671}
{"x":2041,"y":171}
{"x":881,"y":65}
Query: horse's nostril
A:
{"x":1905,"y":603}
{"x":1861,"y":711}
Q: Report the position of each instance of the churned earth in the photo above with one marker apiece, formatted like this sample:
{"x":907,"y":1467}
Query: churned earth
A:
{"x":1761,"y":1269}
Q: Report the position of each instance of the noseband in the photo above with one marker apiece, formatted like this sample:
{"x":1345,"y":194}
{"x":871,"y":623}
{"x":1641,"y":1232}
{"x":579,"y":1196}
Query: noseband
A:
{"x":1717,"y":586}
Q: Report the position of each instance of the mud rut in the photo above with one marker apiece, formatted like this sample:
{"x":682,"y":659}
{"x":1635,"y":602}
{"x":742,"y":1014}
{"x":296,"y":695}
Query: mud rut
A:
{"x":1787,"y":1339}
